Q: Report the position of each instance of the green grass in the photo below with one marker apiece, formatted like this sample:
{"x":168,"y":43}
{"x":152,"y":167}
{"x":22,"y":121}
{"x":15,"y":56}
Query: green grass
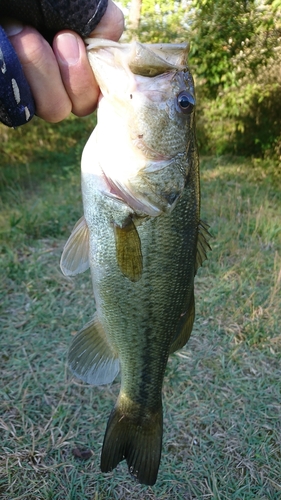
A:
{"x":222,"y":392}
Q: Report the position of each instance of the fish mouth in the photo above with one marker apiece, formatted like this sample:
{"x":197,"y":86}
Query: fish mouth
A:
{"x":142,"y":58}
{"x":117,"y":65}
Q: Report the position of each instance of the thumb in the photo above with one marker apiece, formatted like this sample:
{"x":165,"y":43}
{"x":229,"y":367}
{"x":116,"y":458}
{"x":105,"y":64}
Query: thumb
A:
{"x":111,"y":25}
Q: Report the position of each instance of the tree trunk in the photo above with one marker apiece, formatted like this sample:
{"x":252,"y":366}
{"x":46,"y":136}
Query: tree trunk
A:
{"x":135,"y":14}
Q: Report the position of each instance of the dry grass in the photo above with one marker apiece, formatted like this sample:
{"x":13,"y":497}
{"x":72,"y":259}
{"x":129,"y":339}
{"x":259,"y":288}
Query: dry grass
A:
{"x":222,"y":393}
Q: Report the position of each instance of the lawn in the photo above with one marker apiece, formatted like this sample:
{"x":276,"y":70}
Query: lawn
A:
{"x":222,"y":392}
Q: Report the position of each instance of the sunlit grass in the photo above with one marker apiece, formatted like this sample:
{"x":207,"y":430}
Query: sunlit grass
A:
{"x":222,"y":392}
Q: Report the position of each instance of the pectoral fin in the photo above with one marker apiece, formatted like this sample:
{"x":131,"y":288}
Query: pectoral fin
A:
{"x":184,"y":327}
{"x":128,"y":250}
{"x":90,"y":356}
{"x":202,"y":244}
{"x":75,"y":255}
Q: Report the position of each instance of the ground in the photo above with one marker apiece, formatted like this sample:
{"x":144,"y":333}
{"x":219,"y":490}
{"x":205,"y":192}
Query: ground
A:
{"x":222,"y":392}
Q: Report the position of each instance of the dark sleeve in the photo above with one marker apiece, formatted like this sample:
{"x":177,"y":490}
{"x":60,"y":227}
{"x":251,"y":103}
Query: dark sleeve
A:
{"x":51,"y":16}
{"x":16,"y":101}
{"x":48,"y":17}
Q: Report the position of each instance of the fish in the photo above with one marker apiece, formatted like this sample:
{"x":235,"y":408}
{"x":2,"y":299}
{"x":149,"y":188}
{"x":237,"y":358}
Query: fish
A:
{"x":142,"y":238}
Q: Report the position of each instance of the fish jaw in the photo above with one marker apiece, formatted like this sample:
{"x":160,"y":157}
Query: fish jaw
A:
{"x":137,"y":58}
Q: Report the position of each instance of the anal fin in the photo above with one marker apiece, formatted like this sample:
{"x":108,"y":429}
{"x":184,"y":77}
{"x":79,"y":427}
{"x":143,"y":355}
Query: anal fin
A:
{"x":90,"y":356}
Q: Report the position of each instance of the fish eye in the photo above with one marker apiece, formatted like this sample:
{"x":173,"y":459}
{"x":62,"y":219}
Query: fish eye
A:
{"x":186,"y":102}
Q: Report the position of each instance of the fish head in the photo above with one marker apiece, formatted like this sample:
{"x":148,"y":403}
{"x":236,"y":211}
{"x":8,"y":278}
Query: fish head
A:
{"x":145,"y":120}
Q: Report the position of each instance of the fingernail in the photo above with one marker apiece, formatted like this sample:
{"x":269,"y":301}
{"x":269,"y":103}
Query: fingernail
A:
{"x":68,"y":49}
{"x":12,"y":28}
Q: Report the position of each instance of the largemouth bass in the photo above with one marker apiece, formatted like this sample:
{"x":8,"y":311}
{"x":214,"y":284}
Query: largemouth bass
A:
{"x":142,"y":238}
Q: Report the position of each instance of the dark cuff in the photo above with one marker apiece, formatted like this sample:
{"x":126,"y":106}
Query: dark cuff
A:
{"x":51,"y":16}
{"x":48,"y":17}
{"x":16,"y":101}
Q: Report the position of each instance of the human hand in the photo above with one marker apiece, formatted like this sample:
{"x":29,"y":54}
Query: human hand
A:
{"x":60,"y":78}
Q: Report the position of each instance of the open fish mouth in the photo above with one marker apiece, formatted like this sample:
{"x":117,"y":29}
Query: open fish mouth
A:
{"x":143,"y":58}
{"x":148,"y":60}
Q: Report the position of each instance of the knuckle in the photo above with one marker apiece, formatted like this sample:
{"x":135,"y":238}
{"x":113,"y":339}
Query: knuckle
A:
{"x":34,"y":50}
{"x":54,"y":113}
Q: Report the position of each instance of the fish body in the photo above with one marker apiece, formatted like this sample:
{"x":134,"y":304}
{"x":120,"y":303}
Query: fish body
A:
{"x":142,"y":237}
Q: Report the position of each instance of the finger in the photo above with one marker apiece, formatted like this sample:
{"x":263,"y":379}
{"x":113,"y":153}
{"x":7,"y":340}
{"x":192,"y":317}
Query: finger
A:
{"x":43,"y":75}
{"x":111,"y":25}
{"x":76,"y":73}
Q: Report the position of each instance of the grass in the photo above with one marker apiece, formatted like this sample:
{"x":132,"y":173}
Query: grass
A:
{"x":222,"y":392}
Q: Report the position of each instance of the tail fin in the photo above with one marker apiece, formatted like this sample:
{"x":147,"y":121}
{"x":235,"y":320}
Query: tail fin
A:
{"x":136,"y":439}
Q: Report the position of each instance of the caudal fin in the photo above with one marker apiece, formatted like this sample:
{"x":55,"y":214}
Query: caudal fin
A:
{"x":136,"y":439}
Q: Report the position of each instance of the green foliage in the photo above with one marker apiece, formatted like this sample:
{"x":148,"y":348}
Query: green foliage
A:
{"x":235,"y":59}
{"x":236,"y":62}
{"x":244,"y":122}
{"x":218,"y":29}
{"x":161,"y":22}
{"x":230,"y":40}
{"x":42,"y":141}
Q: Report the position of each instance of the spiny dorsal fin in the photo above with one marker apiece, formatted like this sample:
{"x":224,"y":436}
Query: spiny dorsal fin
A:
{"x":202,"y":244}
{"x":128,"y":250}
{"x":184,"y":327}
{"x":90,"y":356}
{"x":75,"y":255}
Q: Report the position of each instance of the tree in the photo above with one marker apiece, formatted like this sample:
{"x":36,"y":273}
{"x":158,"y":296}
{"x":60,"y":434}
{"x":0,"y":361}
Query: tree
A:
{"x":135,"y":14}
{"x":231,"y":40}
{"x":163,"y":21}
{"x":235,"y":57}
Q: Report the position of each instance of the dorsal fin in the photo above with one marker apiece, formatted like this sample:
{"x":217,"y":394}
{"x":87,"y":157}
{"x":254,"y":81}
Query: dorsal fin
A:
{"x":75,"y":255}
{"x":202,"y":244}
